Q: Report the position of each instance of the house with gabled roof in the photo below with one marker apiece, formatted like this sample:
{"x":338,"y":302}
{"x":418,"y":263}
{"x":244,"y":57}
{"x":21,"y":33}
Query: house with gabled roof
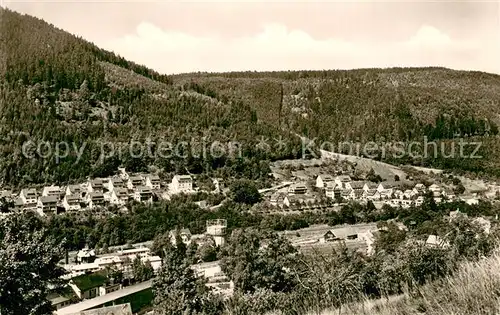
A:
{"x":277,"y":199}
{"x":182,"y":184}
{"x":29,"y":198}
{"x":323,"y":180}
{"x":134,"y":181}
{"x":88,"y":286}
{"x":114,"y":183}
{"x":52,"y":191}
{"x":339,"y":234}
{"x":370,"y":186}
{"x":333,"y":191}
{"x":153,"y":181}
{"x":74,"y":190}
{"x":47,"y":205}
{"x":297,"y":189}
{"x":371,"y":194}
{"x":119,"y":196}
{"x":356,"y":185}
{"x":143,"y":194}
{"x":95,"y":185}
{"x":72,"y":203}
{"x":342,"y":180}
{"x":95,"y":200}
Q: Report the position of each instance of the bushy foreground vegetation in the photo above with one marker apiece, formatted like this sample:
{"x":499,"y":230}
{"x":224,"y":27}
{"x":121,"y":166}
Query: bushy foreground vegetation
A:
{"x":270,"y":275}
{"x":473,"y":289}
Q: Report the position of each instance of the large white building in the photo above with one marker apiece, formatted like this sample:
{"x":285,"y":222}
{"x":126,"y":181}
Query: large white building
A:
{"x":182,"y":184}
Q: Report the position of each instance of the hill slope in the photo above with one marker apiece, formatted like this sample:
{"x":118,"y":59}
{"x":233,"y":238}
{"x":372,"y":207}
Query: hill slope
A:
{"x":56,"y":87}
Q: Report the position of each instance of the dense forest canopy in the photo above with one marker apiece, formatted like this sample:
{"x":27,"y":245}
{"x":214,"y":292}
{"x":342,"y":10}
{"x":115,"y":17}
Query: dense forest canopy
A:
{"x":56,"y":87}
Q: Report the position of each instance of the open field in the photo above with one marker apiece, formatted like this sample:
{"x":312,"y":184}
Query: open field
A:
{"x":386,"y":171}
{"x":307,"y":240}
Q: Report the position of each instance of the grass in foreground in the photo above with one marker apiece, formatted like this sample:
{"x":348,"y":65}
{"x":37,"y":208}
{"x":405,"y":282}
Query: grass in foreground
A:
{"x":473,"y":289}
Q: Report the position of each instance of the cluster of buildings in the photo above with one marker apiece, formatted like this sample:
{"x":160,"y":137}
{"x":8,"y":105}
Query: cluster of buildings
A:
{"x":391,"y":193}
{"x":97,"y":193}
{"x":90,"y":277}
{"x":342,"y":188}
{"x":88,"y":262}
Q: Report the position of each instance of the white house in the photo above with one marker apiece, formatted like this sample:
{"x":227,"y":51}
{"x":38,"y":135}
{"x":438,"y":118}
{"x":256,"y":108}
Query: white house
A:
{"x":386,"y":188}
{"x":370,"y":186}
{"x":134,"y":252}
{"x":47,"y":205}
{"x":115,"y":183}
{"x":323,"y":180}
{"x":29,"y":199}
{"x":95,"y":185}
{"x":357,"y":185}
{"x":435,"y":189}
{"x":369,"y":237}
{"x":153,"y":181}
{"x":95,"y":200}
{"x":333,"y":191}
{"x":72,"y":203}
{"x":134,"y":181}
{"x":52,"y":191}
{"x":470,"y":200}
{"x":297,"y":189}
{"x":119,"y":196}
{"x":182,"y":184}
{"x":342,"y":180}
{"x":74,"y":190}
{"x":143,"y":194}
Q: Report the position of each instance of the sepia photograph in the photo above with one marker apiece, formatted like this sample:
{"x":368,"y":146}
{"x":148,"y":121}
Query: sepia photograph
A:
{"x":178,"y":157}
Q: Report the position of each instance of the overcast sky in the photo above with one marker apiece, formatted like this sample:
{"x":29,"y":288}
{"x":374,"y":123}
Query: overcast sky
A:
{"x":181,"y":36}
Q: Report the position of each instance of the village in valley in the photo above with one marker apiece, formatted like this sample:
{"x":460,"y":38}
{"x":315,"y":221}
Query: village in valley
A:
{"x":124,"y":273}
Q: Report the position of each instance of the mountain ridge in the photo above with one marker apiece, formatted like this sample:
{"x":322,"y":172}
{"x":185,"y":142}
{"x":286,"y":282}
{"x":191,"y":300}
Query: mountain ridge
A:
{"x":59,"y":87}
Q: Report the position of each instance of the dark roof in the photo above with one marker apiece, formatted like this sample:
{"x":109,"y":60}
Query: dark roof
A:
{"x":96,"y":182}
{"x":74,"y":187}
{"x":357,"y":185}
{"x":72,"y":198}
{"x":326,"y":177}
{"x":90,"y":281}
{"x":29,"y":191}
{"x":95,"y":195}
{"x":48,"y":199}
{"x":143,"y":189}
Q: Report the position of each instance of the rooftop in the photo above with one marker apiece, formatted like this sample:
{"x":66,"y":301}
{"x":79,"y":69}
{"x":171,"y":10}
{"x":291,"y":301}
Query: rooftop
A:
{"x":75,"y":309}
{"x":48,"y":199}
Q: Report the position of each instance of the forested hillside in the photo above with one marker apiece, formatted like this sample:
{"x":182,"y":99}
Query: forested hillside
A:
{"x":57,"y":87}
